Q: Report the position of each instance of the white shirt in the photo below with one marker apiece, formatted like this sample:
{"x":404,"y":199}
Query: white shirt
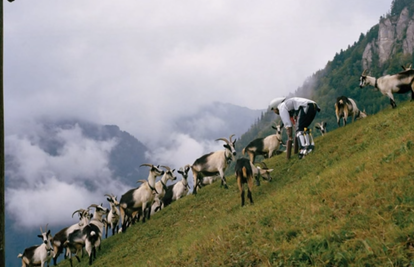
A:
{"x":292,"y":104}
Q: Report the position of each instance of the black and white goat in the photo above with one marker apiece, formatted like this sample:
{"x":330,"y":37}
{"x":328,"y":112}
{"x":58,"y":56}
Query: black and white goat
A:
{"x":265,"y":146}
{"x":399,"y":83}
{"x":214,"y":163}
{"x":89,"y":236}
{"x":41,"y":254}
{"x":140,"y":198}
{"x":62,"y":236}
{"x":244,"y":175}
{"x":321,"y":126}
{"x":112,"y":220}
{"x":345,"y":107}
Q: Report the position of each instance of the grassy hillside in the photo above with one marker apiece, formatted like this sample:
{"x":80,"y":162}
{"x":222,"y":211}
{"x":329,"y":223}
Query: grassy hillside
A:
{"x":350,"y":203}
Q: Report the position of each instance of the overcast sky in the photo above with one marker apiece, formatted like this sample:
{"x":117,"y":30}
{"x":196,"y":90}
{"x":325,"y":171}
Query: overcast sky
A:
{"x":137,"y":63}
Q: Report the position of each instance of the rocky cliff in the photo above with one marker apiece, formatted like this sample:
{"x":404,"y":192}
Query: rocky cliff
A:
{"x":395,"y":35}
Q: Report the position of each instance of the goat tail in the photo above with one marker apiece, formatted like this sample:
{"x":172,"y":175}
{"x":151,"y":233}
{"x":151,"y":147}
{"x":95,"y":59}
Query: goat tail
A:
{"x":244,"y":170}
{"x":243,"y":151}
{"x":20,"y":255}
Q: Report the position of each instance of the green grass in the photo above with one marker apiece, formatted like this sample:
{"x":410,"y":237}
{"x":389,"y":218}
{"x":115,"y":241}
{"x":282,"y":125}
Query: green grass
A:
{"x":349,"y":203}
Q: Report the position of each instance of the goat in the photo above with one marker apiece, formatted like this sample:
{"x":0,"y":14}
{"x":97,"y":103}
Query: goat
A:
{"x":400,"y":83}
{"x":38,"y":255}
{"x":139,"y":198}
{"x":345,"y":107}
{"x":175,"y":191}
{"x":207,"y":180}
{"x":60,"y":237}
{"x":161,"y":187}
{"x":89,"y":236}
{"x":321,"y":126}
{"x":263,"y":172}
{"x":264,"y":146}
{"x":113,"y":217}
{"x":214,"y":163}
{"x":181,"y":188}
{"x":244,"y":175}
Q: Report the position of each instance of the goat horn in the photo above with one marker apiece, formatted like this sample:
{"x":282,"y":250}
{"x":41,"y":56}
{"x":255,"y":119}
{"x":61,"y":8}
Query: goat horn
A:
{"x":166,"y":167}
{"x":223,"y":139}
{"x":146,"y":164}
{"x":46,"y":227}
{"x":80,"y":210}
{"x":93,"y":205}
{"x":231,"y":137}
{"x":108,"y":195}
{"x":41,"y":229}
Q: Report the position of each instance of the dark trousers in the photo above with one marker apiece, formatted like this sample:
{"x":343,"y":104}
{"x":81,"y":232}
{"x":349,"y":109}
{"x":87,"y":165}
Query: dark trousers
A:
{"x":305,"y":119}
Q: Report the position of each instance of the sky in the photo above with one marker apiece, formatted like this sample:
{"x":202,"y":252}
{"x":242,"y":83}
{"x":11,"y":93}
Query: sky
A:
{"x":141,"y":65}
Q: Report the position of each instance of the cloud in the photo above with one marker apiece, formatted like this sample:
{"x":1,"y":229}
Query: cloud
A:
{"x":74,"y":178}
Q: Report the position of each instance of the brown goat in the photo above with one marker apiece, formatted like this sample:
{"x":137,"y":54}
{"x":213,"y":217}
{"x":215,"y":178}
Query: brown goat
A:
{"x":244,"y":175}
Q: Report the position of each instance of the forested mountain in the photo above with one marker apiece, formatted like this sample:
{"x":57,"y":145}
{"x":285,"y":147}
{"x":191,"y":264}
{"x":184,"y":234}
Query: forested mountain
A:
{"x":382,"y":50}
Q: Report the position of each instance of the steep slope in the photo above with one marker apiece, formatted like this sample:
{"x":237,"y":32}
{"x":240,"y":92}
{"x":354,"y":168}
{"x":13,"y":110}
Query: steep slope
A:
{"x":348,"y":203}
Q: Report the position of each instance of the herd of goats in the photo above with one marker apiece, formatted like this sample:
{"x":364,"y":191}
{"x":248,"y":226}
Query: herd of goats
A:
{"x":151,"y":196}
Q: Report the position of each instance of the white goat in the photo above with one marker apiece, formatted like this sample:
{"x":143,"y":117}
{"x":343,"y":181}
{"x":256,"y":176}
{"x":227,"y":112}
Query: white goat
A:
{"x":175,"y":191}
{"x":208,"y":180}
{"x":114,"y":214}
{"x":180,"y":189}
{"x":161,"y":187}
{"x":62,"y":236}
{"x":214,"y":163}
{"x":345,"y":107}
{"x":140,"y":198}
{"x":264,"y":146}
{"x":38,"y":255}
{"x":399,"y":83}
{"x":321,"y":126}
{"x":263,"y":172}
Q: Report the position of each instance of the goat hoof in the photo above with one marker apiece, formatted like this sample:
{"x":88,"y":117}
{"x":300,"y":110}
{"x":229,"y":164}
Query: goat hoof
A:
{"x":226,"y":187}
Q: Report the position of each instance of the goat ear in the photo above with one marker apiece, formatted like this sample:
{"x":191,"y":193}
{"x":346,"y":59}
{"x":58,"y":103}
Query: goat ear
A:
{"x":48,"y":232}
{"x":269,"y":170}
{"x":40,"y":236}
{"x":109,"y":199}
{"x":317,"y":127}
